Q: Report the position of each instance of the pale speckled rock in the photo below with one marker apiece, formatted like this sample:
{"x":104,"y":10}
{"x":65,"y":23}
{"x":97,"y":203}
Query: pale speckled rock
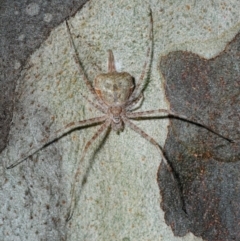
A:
{"x":120,"y":198}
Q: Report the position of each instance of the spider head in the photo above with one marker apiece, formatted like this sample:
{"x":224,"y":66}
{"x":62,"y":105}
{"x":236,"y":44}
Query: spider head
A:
{"x":114,"y":88}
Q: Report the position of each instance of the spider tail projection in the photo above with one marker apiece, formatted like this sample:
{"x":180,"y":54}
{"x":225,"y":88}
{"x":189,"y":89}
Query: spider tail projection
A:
{"x":58,"y":135}
{"x":102,"y":128}
{"x":146,"y":69}
{"x":111,"y":62}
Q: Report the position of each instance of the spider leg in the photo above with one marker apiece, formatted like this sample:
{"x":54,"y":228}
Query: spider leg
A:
{"x":132,"y":106}
{"x":146,"y":66}
{"x":151,"y":113}
{"x":103,"y":127}
{"x":95,"y":104}
{"x":102,"y":105}
{"x":149,"y":138}
{"x":57,"y":135}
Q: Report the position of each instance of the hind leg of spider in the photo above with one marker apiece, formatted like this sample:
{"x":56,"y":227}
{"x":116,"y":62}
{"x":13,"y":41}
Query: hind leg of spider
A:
{"x":56,"y":136}
{"x":111,"y":62}
{"x":102,"y":105}
{"x":103,"y":127}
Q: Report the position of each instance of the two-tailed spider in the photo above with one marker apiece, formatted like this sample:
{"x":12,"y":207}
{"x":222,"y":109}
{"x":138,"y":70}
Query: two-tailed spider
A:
{"x":117,"y":97}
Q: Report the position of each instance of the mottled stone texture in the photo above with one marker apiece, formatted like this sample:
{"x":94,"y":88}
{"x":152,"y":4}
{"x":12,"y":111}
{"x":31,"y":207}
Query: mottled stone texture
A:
{"x":204,"y":198}
{"x":24,"y":26}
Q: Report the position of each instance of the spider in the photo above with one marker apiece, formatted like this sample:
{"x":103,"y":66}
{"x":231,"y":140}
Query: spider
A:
{"x":117,"y":97}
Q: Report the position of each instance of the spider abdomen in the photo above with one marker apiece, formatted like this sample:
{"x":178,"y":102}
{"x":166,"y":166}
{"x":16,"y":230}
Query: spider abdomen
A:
{"x":114,"y":88}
